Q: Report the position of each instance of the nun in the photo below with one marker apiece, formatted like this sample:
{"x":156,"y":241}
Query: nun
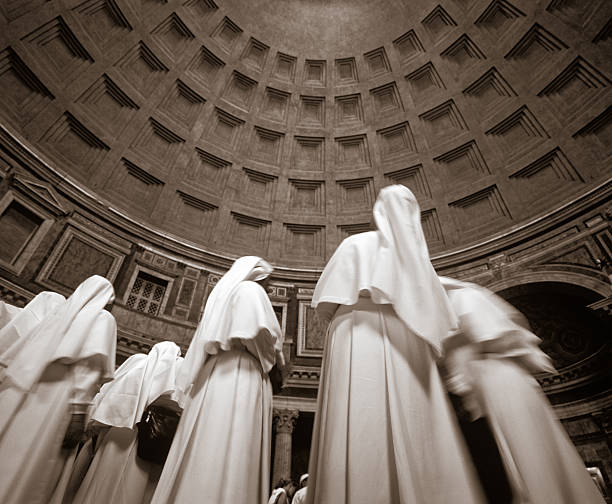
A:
{"x":490,"y":362}
{"x":221,"y":449}
{"x":116,"y":474}
{"x":384,"y":430}
{"x":48,"y":386}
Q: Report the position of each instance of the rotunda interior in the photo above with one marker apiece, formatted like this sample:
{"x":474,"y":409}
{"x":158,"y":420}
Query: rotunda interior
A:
{"x":155,"y":141}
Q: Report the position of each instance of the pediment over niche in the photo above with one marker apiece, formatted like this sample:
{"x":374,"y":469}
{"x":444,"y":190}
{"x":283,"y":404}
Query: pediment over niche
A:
{"x":42,"y":192}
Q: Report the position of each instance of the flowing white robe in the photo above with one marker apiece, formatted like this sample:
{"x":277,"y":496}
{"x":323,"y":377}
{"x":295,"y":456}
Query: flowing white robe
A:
{"x":7,"y":313}
{"x":221,"y":450}
{"x":55,"y":372}
{"x":493,"y":367}
{"x":384,"y":430}
{"x":116,"y":474}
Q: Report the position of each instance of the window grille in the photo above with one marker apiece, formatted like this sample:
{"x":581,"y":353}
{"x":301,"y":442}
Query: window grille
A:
{"x":147,"y":293}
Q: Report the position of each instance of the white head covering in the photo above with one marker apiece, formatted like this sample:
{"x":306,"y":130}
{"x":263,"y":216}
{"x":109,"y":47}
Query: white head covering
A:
{"x":138,"y":382}
{"x":76,"y":330}
{"x":303,"y":477}
{"x":497,"y":326}
{"x":393,"y":265}
{"x":25,"y":319}
{"x":214,"y":330}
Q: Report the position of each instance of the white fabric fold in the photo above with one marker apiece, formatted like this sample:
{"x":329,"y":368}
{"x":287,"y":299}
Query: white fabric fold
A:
{"x":137,"y":383}
{"x":79,"y":329}
{"x":393,"y":266}
{"x":7,"y":313}
{"x":24,"y":320}
{"x":218,"y":330}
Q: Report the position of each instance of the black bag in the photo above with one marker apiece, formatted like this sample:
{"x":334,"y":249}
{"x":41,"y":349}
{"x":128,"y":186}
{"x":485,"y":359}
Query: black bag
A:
{"x":155,"y":433}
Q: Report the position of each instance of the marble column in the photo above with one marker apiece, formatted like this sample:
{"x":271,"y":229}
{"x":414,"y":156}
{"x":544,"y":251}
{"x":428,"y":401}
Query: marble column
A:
{"x":284,"y":421}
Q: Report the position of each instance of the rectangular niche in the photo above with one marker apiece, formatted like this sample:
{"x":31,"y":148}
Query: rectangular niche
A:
{"x":315,"y":73}
{"x":312,"y":111}
{"x":551,"y":172}
{"x":104,"y":20}
{"x":284,"y":67}
{"x":386,"y":100}
{"x":311,"y":331}
{"x":346,"y":230}
{"x":136,"y":188}
{"x":76,"y":257}
{"x":443,"y":122}
{"x":489,"y":92}
{"x":249,"y":232}
{"x":438,"y":23}
{"x":308,"y":153}
{"x":352,"y":152}
{"x":75,"y":143}
{"x":194,"y":216}
{"x":225,"y":128}
{"x":431,"y":228}
{"x":158,"y":144}
{"x":538,"y":46}
{"x":204,"y":68}
{"x":22,"y":228}
{"x":207,"y":171}
{"x":173,"y":36}
{"x":255,"y":54}
{"x":141,"y":68}
{"x":346,"y":71}
{"x":413,"y":178}
{"x":305,"y":241}
{"x":276,"y":104}
{"x":356,"y":195}
{"x":482,"y":209}
{"x":259,"y":187}
{"x":226,"y":34}
{"x":377,"y":61}
{"x":597,"y":134}
{"x":24,"y":95}
{"x":462,"y":164}
{"x":518,"y":133}
{"x":183,"y":104}
{"x":408,"y":46}
{"x":349,"y":110}
{"x":240,"y":90}
{"x":105,"y":101}
{"x":463,"y":52}
{"x":425,"y":81}
{"x":200,"y":10}
{"x":395,"y":141}
{"x":56,"y":46}
{"x":306,"y":197}
{"x":267,"y":145}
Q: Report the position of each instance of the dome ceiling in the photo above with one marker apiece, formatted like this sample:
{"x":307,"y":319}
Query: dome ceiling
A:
{"x":268,"y":127}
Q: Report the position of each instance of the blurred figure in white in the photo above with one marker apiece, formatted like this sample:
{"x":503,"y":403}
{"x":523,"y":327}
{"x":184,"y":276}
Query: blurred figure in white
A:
{"x":384,"y":430}
{"x":489,"y":363}
{"x":221,"y":450}
{"x":300,"y":495}
{"x":22,"y":321}
{"x":116,"y":474}
{"x":47,"y":390}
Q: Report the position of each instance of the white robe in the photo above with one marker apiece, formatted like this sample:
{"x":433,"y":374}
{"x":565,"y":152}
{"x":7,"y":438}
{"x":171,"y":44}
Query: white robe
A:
{"x":7,"y":313}
{"x":492,"y":368}
{"x":221,"y":450}
{"x":384,"y":430}
{"x":116,"y":474}
{"x":55,"y":372}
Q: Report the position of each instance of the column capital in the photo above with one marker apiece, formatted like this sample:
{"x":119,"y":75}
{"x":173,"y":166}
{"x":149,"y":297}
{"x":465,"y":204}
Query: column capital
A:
{"x":284,"y":419}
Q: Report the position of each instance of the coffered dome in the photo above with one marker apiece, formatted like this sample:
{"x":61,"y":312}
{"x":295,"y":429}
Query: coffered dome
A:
{"x":268,"y":127}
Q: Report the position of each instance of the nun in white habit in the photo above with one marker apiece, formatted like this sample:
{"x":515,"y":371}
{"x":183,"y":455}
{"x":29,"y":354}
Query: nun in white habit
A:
{"x":7,"y":313}
{"x":116,"y":474}
{"x":48,"y":386}
{"x":384,"y":431}
{"x":490,"y":362}
{"x":221,"y":450}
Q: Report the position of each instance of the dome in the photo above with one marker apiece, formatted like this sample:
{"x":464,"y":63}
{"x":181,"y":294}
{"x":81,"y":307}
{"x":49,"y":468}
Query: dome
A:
{"x":268,"y":127}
